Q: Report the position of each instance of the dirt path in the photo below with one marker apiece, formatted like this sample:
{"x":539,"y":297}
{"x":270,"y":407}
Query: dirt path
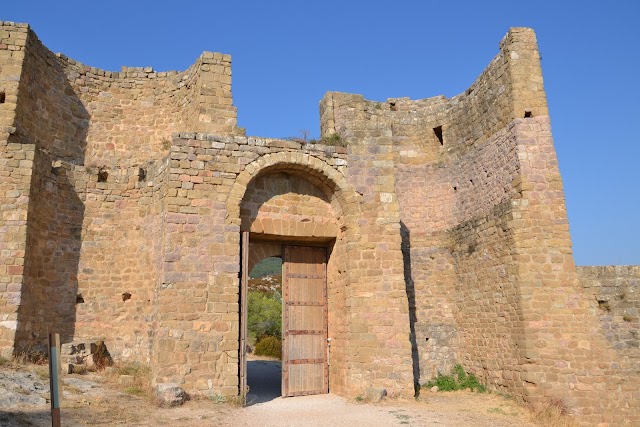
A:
{"x":463,"y":409}
{"x":452,"y":410}
{"x":90,"y":402}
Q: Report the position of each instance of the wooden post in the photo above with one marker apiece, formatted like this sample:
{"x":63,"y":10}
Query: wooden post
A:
{"x":54,"y":378}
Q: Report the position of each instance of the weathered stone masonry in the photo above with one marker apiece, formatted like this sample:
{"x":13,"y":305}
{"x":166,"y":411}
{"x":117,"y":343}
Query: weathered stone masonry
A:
{"x":123,"y":195}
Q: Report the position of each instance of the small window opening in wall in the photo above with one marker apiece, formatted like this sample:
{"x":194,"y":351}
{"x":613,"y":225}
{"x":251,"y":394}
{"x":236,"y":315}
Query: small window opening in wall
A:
{"x":3,"y":97}
{"x":427,"y":339}
{"x":126,"y":296}
{"x":103,"y":175}
{"x":142,"y":175}
{"x":455,"y":188}
{"x":79,"y":299}
{"x":438,"y":132}
{"x":471,"y":181}
{"x":393,"y":106}
{"x":527,"y":114}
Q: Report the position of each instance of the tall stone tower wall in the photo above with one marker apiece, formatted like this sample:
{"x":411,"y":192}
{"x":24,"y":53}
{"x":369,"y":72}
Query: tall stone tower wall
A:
{"x":490,"y":277}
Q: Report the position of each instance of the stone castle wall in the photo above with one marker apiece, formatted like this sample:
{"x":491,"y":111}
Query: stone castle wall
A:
{"x":487,"y":254}
{"x":616,"y":290}
{"x":85,"y":115}
{"x":213,"y":204}
{"x":123,"y":196}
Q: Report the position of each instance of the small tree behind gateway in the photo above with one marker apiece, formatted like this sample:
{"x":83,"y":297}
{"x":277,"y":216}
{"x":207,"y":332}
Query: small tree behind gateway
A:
{"x":264,"y":314}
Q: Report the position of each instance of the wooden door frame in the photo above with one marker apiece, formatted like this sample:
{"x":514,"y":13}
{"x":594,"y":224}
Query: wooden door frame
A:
{"x":245,"y":242}
{"x":244,"y":286}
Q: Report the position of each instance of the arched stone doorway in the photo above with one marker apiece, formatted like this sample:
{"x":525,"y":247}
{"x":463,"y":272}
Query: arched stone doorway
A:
{"x":367,"y":313}
{"x":292,"y":200}
{"x":285,"y":214}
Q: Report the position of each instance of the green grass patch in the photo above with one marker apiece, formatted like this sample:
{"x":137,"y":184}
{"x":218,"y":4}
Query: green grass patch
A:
{"x":458,"y":380}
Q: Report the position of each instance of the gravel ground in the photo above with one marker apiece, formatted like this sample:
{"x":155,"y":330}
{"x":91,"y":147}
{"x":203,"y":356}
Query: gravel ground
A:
{"x":88,"y":401}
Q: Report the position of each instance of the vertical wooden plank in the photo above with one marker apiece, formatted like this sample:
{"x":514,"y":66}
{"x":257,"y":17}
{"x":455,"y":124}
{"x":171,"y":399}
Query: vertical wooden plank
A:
{"x":325,"y":320}
{"x":244,"y":286}
{"x":305,"y":368}
{"x":54,"y":378}
{"x":285,"y":322}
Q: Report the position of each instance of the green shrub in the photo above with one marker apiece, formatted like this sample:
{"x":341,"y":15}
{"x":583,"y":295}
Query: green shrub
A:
{"x":264,"y":315}
{"x":458,"y":380}
{"x":269,"y":346}
{"x":444,"y":383}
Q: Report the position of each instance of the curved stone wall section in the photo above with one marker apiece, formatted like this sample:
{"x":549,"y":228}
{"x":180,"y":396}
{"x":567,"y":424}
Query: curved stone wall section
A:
{"x":457,"y":245}
{"x":438,"y":128}
{"x":135,"y":111}
{"x":85,"y":115}
{"x":92,"y":256}
{"x":453,"y":166}
{"x":50,"y":113}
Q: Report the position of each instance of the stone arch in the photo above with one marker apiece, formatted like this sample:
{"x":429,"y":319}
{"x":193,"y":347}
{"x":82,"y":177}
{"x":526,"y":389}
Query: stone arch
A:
{"x":305,"y":166}
{"x":260,"y":251}
{"x":347,"y":213}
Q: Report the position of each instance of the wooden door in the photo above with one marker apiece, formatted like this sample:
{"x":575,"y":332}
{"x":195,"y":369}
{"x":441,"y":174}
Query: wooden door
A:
{"x":244,"y":282}
{"x":304,"y":306}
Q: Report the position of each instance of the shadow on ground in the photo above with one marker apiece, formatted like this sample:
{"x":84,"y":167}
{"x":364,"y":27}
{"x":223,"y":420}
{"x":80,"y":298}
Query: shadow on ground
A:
{"x":264,"y":378}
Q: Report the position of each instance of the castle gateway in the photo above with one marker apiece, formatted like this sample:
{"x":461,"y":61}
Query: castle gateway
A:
{"x":425,"y":233}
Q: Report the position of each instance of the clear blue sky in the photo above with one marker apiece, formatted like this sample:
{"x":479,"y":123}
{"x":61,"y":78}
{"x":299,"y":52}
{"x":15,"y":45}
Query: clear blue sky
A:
{"x":287,"y":54}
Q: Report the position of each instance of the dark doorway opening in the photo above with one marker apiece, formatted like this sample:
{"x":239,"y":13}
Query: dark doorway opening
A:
{"x":264,"y":331}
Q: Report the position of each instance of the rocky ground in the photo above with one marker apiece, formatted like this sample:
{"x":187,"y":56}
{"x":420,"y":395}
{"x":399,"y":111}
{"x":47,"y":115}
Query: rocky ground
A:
{"x":94,"y":399}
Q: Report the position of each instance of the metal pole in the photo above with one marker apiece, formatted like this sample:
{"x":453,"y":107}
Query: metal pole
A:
{"x":54,"y":378}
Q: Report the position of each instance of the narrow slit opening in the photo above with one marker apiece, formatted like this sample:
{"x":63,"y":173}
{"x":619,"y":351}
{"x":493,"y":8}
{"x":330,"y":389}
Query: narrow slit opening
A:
{"x":527,"y":114}
{"x":103,"y":175}
{"x":438,"y":132}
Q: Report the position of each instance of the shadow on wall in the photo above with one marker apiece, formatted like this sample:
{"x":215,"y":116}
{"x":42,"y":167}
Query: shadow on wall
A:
{"x":55,"y":216}
{"x":49,"y":112}
{"x":411,"y":297}
{"x":54,"y":230}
